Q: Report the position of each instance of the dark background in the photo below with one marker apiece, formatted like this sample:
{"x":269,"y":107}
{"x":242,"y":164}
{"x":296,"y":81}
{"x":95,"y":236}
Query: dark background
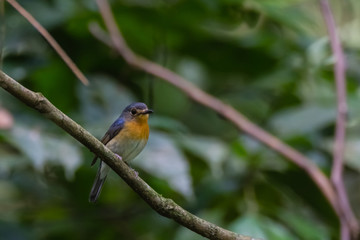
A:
{"x":271,"y":60}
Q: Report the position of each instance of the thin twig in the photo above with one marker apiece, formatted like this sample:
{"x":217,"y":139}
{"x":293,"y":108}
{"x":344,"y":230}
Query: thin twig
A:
{"x":340,"y":128}
{"x":228,"y":112}
{"x":164,"y":206}
{"x":50,"y":40}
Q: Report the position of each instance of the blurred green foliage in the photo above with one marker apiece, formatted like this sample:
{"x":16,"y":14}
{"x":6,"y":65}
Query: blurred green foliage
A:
{"x":271,"y":60}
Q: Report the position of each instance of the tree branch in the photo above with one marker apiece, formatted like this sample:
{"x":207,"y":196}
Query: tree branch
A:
{"x":228,"y":112}
{"x":54,"y":44}
{"x":348,"y":220}
{"x":164,"y":206}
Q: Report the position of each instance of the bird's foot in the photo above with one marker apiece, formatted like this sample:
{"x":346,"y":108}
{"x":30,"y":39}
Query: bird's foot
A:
{"x":118,"y":156}
{"x":134,"y":171}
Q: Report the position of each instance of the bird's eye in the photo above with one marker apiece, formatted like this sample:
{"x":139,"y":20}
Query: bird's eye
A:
{"x":133,"y":111}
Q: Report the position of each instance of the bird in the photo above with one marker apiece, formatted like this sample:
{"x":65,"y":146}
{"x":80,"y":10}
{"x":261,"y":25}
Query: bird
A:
{"x":126,"y":137}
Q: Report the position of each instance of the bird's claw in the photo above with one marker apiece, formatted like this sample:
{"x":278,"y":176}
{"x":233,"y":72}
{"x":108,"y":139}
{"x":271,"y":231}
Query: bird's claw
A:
{"x":118,"y":156}
{"x":136,"y":173}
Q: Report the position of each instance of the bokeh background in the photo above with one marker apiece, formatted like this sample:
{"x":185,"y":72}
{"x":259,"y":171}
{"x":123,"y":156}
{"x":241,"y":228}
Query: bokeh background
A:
{"x":271,"y":60}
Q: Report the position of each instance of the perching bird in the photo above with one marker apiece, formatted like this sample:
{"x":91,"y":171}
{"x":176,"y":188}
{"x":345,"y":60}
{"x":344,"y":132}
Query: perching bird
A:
{"x":126,"y":137}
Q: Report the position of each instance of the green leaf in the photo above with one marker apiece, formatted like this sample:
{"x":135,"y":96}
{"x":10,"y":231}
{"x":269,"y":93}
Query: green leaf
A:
{"x":41,"y":148}
{"x":261,"y":227}
{"x":167,"y":123}
{"x":318,"y":53}
{"x":29,"y":142}
{"x":304,"y":226}
{"x":104,"y":99}
{"x":193,"y":71}
{"x":64,"y":152}
{"x":9,"y":193}
{"x":352,"y":152}
{"x":249,"y":225}
{"x":212,"y":150}
{"x":302,"y":120}
{"x":276,"y":230}
{"x":162,"y":158}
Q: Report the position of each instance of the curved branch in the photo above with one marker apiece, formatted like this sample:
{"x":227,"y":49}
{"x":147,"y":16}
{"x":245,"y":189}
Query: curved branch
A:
{"x":348,"y":219}
{"x":164,"y":206}
{"x":228,"y":112}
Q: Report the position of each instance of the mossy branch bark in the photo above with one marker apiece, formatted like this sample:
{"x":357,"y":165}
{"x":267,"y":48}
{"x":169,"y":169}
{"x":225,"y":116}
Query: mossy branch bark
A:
{"x":164,"y":206}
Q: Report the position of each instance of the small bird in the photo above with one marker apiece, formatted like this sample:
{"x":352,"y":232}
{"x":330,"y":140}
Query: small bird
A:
{"x":126,"y":137}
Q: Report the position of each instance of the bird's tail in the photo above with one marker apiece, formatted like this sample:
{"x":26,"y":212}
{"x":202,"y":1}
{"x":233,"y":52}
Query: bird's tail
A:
{"x":99,"y":181}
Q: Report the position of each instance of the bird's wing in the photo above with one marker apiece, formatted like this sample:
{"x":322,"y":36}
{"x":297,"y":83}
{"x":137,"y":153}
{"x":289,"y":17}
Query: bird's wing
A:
{"x":114,"y":129}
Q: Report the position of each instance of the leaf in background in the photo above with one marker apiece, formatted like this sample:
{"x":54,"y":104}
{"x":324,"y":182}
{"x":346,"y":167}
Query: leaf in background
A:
{"x":186,"y":234}
{"x":303,"y":225}
{"x":258,"y":226}
{"x":171,"y":100}
{"x":63,"y":152}
{"x":212,"y":150}
{"x":349,"y":29}
{"x":168,"y":124}
{"x":9,"y":162}
{"x":163,"y":159}
{"x":318,"y":52}
{"x":30,"y":143}
{"x":250,"y":225}
{"x":8,"y":193}
{"x":275,"y":230}
{"x":103,"y":99}
{"x":193,"y":71}
{"x":353,"y":115}
{"x":41,"y":148}
{"x":50,"y":15}
{"x":255,"y":154}
{"x":302,"y":120}
{"x":316,"y":90}
{"x":352,"y":152}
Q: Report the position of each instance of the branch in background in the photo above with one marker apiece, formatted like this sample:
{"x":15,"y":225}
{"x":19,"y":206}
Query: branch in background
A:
{"x":348,"y":218}
{"x":228,"y":112}
{"x":50,"y":40}
{"x":164,"y":206}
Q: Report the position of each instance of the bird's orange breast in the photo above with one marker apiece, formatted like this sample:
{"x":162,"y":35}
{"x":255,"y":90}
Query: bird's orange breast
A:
{"x":137,"y":129}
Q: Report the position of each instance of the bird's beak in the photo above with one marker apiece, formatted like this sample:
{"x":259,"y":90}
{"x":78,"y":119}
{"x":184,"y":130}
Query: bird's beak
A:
{"x":148,"y":111}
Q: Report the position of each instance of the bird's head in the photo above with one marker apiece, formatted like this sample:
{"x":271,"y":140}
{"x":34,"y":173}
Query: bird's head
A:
{"x":137,"y":112}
